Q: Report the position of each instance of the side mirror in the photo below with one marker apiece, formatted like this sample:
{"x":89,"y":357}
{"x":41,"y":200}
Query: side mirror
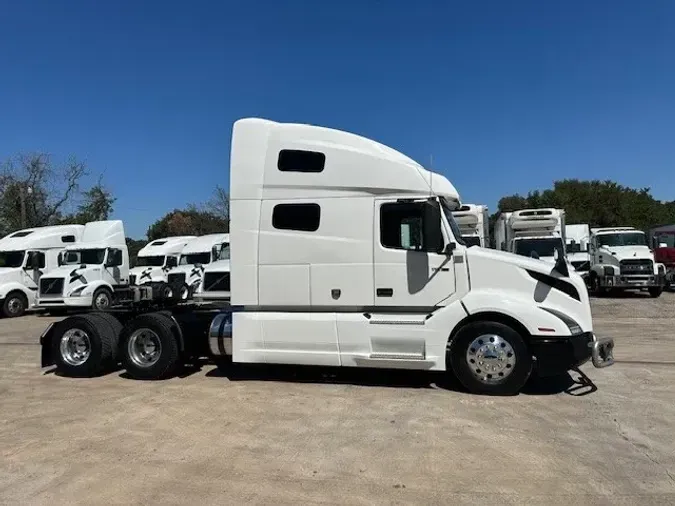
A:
{"x":449,"y":248}
{"x":433,"y":236}
{"x":214,"y":252}
{"x":535,"y":255}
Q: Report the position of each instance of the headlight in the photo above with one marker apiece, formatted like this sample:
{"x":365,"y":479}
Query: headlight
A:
{"x":569,"y":322}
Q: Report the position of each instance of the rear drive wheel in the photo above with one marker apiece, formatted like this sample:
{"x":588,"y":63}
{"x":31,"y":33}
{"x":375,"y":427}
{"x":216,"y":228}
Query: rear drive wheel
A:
{"x":83,"y":345}
{"x":150,"y":349}
{"x":655,"y":291}
{"x":102,"y":299}
{"x":15,"y":304}
{"x":490,"y":358}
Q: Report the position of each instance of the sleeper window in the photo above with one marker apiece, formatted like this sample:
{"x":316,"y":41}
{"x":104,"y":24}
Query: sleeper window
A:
{"x":302,"y":217}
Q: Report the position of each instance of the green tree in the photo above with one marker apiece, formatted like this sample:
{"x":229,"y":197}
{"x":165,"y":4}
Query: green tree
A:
{"x":35,"y":191}
{"x":134,"y":246}
{"x":599,"y":203}
{"x":190,"y":221}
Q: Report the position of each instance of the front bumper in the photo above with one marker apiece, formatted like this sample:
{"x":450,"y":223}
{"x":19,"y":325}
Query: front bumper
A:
{"x":632,"y":281}
{"x":557,"y":355}
{"x":45,"y":303}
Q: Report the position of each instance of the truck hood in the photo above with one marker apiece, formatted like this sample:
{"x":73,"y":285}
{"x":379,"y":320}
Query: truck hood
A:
{"x":218,"y":266}
{"x":9,"y":274}
{"x":144,"y":274}
{"x":629,"y":252}
{"x":542,"y":265}
{"x":66,"y":271}
{"x":192,"y":272}
{"x":663,"y":255}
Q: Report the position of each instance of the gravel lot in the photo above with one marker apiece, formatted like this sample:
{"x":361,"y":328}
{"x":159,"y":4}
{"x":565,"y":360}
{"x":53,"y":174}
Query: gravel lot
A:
{"x":272,"y":436}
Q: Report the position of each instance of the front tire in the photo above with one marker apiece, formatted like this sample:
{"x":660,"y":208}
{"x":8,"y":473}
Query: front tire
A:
{"x":490,"y":358}
{"x":102,"y":299}
{"x":655,"y":291}
{"x":150,"y":349}
{"x":15,"y":305}
{"x":596,"y":288}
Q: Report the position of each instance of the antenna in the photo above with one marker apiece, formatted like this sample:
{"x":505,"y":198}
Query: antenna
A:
{"x":431,"y":175}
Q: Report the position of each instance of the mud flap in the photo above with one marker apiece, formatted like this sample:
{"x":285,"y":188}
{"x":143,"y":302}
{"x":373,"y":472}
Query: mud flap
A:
{"x":47,"y":356}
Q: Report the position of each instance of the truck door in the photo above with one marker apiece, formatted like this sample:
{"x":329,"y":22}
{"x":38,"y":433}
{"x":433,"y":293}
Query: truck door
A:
{"x":409,"y":271}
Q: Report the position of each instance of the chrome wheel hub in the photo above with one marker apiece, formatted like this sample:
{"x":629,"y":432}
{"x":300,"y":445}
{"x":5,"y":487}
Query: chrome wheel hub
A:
{"x":102,"y":300}
{"x":14,"y":305}
{"x":491,"y":358}
{"x":144,"y":347}
{"x":75,"y":347}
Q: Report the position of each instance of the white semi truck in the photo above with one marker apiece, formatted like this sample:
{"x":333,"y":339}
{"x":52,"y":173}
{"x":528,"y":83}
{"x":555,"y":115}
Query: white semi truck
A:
{"x":186,"y":277}
{"x":156,"y":258}
{"x":473,"y":223}
{"x":622,"y":260}
{"x":535,"y":233}
{"x":577,"y":238}
{"x":345,"y":253}
{"x":90,"y":272}
{"x":25,"y":256}
{"x":215,"y":285}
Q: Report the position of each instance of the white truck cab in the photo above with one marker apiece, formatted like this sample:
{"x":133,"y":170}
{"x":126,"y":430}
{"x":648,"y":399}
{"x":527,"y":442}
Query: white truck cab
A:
{"x":156,"y":258}
{"x":536,"y":233}
{"x":24,"y":257}
{"x":194,"y":257}
{"x":215,"y":284}
{"x":472,"y":221}
{"x":346,"y":252}
{"x":577,"y":239}
{"x":622,"y":260}
{"x":89,"y":272}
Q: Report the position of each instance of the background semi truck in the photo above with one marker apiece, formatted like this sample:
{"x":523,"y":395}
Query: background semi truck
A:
{"x":537,"y":233}
{"x":215,"y":285}
{"x":25,"y":256}
{"x":473,"y":223}
{"x":577,"y":237}
{"x":345,"y":252}
{"x":622,"y":260}
{"x":194,"y":258}
{"x":90,"y":272}
{"x":156,"y":258}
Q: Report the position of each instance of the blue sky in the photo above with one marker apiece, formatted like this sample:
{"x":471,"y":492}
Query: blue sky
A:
{"x":505,"y":95}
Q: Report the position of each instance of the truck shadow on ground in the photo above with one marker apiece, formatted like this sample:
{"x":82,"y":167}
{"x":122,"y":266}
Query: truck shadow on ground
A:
{"x":576,"y":385}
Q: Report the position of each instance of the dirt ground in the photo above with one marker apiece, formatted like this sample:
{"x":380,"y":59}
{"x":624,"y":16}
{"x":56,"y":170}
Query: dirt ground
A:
{"x":272,"y":436}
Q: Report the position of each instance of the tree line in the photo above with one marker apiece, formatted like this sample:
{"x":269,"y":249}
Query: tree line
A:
{"x":36,"y":191}
{"x":598,"y":203}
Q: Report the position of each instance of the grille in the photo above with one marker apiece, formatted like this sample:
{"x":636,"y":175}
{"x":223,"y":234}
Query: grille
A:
{"x":132,"y":279}
{"x":176,"y":278}
{"x":217,"y":282}
{"x":639,"y":266}
{"x":51,"y":286}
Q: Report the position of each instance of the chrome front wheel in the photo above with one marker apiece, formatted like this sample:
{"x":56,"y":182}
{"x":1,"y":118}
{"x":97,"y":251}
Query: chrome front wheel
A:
{"x":491,"y":358}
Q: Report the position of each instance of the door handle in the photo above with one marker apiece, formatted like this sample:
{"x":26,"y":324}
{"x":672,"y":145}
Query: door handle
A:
{"x":385,"y":292}
{"x":442,"y":269}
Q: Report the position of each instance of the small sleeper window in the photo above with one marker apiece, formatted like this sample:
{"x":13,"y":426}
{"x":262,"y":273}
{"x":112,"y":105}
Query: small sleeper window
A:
{"x":303,"y":217}
{"x":297,"y":160}
{"x":67,"y":238}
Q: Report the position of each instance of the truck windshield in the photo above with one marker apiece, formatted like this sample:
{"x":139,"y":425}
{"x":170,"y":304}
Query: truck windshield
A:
{"x":538,"y":248}
{"x":667,"y":239}
{"x":624,"y":239}
{"x":195,"y":258}
{"x":471,"y":240}
{"x":84,"y":256}
{"x":11,"y":258}
{"x":447,"y":210}
{"x":154,"y":261}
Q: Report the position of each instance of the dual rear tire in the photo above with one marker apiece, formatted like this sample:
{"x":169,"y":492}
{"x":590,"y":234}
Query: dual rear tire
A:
{"x":92,"y":344}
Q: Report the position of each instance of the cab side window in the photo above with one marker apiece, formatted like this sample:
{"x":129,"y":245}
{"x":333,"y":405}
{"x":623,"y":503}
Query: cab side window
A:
{"x":410,"y":226}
